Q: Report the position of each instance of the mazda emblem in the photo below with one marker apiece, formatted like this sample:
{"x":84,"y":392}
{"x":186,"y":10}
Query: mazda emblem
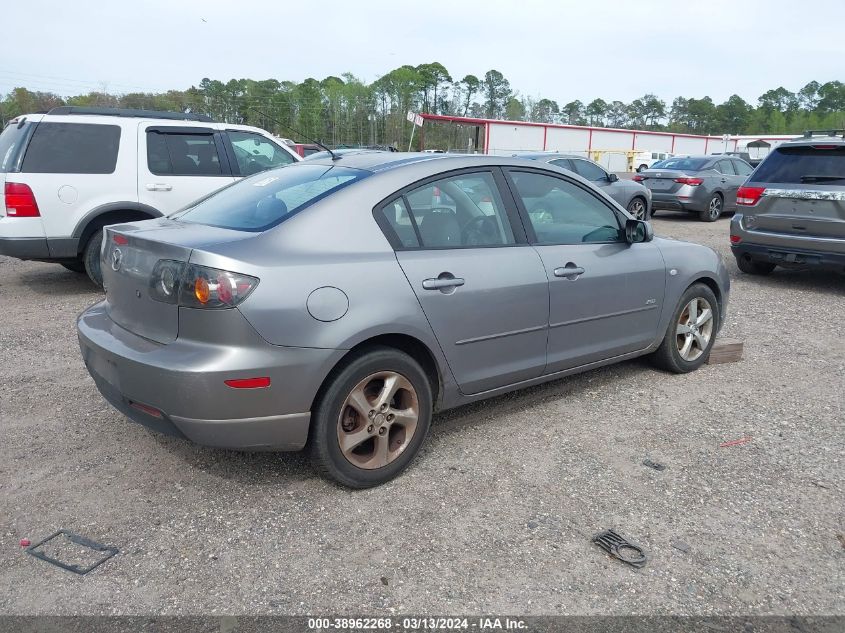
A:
{"x":116,"y":259}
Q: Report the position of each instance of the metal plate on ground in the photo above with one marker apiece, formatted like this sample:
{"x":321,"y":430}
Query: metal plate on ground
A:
{"x":71,"y":551}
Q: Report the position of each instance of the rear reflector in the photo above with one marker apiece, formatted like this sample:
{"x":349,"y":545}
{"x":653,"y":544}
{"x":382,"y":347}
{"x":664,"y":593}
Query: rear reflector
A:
{"x":147,"y":409}
{"x":749,"y":196}
{"x":689,"y":181}
{"x":735,"y":239}
{"x":20,"y":202}
{"x":249,"y":383}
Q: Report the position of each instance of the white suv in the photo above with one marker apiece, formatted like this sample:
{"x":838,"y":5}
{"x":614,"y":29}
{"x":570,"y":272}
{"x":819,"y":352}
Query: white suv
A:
{"x":66,"y":174}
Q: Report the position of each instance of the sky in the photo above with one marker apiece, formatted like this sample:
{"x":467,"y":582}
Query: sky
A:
{"x":562,"y":50}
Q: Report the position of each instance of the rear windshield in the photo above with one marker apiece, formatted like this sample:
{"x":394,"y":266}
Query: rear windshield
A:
{"x":264,"y":200}
{"x":684,"y":164}
{"x":801,"y":165}
{"x":10,"y":141}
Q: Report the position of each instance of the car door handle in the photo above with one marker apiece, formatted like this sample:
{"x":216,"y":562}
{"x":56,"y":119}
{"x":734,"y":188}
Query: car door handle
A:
{"x":570,"y":271}
{"x":724,"y":180}
{"x":442,"y":282}
{"x":158,"y":186}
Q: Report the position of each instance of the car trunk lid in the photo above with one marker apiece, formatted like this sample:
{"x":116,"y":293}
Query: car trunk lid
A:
{"x":663,"y":180}
{"x":130,"y":253}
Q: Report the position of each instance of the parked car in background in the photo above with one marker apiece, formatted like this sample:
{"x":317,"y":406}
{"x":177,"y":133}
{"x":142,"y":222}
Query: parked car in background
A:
{"x":705,"y":185}
{"x":742,"y":156}
{"x":68,"y":173}
{"x":307,"y":149}
{"x":632,"y":195}
{"x":331,"y":304}
{"x":792,"y":209}
{"x":644,"y":160}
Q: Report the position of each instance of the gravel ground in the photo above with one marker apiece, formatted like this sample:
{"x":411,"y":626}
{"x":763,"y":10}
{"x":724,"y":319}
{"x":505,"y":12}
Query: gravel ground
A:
{"x":496,"y":513}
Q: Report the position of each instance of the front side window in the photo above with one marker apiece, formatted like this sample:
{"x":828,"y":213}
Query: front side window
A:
{"x":262,"y":201}
{"x":182,"y":154}
{"x":72,"y":148}
{"x":463,"y":211}
{"x":563,"y":213}
{"x":589,"y":171}
{"x":255,"y":153}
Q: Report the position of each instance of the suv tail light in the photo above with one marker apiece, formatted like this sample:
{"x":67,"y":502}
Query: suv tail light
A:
{"x":689,"y":181}
{"x":20,"y":201}
{"x":192,"y":286}
{"x":749,"y":196}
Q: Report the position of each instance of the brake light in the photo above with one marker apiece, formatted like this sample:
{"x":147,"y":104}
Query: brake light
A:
{"x":735,"y":239}
{"x":689,"y":181}
{"x":192,"y":286}
{"x":824,"y":146}
{"x":20,"y":201}
{"x":639,"y":178}
{"x":749,"y":196}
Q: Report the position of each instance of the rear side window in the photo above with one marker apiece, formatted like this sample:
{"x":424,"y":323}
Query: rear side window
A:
{"x":10,"y":145}
{"x":72,"y":148}
{"x":182,"y":154}
{"x":802,"y":165}
{"x":726,"y":167}
{"x":262,"y":201}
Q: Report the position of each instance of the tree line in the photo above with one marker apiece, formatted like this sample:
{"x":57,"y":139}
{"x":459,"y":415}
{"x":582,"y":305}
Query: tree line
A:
{"x":345,"y":110}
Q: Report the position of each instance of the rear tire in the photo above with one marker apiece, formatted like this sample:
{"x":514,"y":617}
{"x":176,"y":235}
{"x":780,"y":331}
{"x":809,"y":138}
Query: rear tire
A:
{"x":747,"y":265}
{"x":713,"y":210}
{"x":670,"y":356}
{"x":642,"y":168}
{"x":398,"y":425}
{"x":77,"y":266}
{"x":91,"y":258}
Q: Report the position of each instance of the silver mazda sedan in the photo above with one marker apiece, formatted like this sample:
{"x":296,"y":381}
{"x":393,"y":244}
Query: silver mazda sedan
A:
{"x":336,"y":304}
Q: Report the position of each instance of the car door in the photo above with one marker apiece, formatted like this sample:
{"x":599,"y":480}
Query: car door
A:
{"x":482,"y":288}
{"x":729,"y":182}
{"x":178,"y":164}
{"x":600,"y":178}
{"x":605,"y":295}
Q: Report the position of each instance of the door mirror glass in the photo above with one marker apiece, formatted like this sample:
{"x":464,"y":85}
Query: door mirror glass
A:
{"x":637,"y":231}
{"x":612,"y":178}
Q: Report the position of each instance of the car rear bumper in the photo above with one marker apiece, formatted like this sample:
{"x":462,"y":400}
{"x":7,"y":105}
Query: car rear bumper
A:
{"x":672,"y":202}
{"x":786,"y":250}
{"x":179,"y":389}
{"x":24,"y":247}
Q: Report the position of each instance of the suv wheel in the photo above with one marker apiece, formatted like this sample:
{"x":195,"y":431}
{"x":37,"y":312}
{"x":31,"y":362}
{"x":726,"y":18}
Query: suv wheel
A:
{"x":691,"y":332}
{"x":713,"y":210}
{"x":77,"y":266}
{"x":91,"y":257}
{"x":747,"y":265}
{"x":372,"y":419}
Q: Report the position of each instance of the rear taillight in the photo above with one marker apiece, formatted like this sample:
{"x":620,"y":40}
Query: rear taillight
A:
{"x":749,"y":196}
{"x":694,"y":182}
{"x":20,"y":201}
{"x":639,"y":178}
{"x":192,"y":286}
{"x":735,"y":239}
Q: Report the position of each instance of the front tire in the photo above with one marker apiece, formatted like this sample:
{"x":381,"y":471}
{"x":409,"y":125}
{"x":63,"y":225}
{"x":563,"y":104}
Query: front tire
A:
{"x":91,"y":258}
{"x":371,"y":419}
{"x":747,"y":265}
{"x":713,"y":210}
{"x":691,"y":332}
{"x":638,"y":208}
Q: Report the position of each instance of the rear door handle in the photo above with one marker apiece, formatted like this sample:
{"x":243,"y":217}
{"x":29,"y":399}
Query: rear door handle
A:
{"x":570,"y":271}
{"x":442,"y":282}
{"x":158,"y":186}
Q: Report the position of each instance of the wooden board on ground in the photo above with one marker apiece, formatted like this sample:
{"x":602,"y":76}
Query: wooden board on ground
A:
{"x":725,"y":350}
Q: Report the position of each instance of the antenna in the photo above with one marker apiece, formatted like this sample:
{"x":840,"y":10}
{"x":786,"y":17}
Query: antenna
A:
{"x":298,"y":133}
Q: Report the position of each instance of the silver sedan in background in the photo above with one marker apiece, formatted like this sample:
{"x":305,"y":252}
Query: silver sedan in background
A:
{"x":705,"y":185}
{"x":337,"y":304}
{"x":631,"y":195}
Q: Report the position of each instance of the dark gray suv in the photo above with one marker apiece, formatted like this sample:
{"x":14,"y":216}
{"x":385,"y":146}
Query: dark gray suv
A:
{"x":791,"y":211}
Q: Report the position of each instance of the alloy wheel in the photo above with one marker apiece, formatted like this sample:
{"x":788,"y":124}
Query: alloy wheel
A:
{"x":378,"y":420}
{"x":694,"y":329}
{"x":715,"y":207}
{"x":637,"y":209}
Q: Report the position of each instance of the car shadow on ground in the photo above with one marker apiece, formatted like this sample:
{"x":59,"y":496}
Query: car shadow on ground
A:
{"x":687,"y":216}
{"x":49,"y":280}
{"x":809,"y":279}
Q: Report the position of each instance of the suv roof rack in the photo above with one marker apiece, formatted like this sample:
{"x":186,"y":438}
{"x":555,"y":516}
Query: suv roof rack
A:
{"x":132,"y":113}
{"x":812,"y":133}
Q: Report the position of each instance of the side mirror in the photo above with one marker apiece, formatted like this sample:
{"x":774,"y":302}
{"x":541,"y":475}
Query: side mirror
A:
{"x":637,"y":231}
{"x":612,"y":177}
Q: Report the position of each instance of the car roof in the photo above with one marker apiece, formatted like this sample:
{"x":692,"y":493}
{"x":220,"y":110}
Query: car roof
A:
{"x":546,"y":155}
{"x":805,"y":141}
{"x":376,"y":161}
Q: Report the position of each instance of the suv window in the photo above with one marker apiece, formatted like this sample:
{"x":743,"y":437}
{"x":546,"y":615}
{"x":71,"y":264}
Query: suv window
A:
{"x":255,"y":153}
{"x":563,"y":213}
{"x":589,"y":170}
{"x":72,"y":148}
{"x":463,"y":211}
{"x":10,"y":142}
{"x":182,"y":154}
{"x":262,"y":201}
{"x":798,"y":165}
{"x":742,"y":168}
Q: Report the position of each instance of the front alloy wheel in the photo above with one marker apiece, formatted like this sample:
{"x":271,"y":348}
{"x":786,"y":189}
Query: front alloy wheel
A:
{"x":694,"y":329}
{"x":691,"y":332}
{"x":637,"y":208}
